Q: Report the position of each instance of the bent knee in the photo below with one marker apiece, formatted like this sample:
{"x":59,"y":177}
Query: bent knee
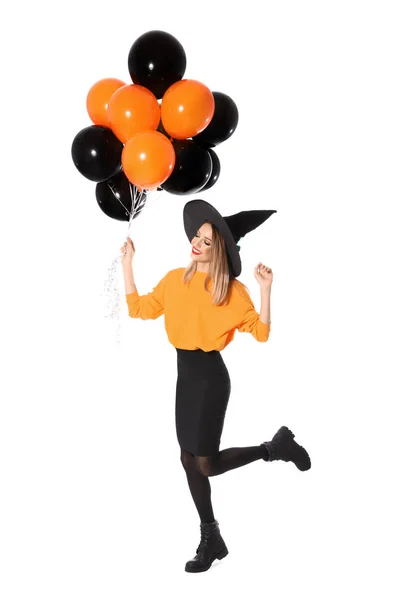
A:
{"x":187,"y":460}
{"x":204,"y":465}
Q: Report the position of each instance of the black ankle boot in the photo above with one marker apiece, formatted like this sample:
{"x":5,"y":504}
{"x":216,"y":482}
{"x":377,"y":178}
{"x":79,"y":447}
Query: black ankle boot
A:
{"x":211,"y":546}
{"x":283,"y":447}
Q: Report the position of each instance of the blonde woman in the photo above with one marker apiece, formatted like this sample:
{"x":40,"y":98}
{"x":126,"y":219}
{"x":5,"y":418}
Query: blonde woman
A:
{"x":203,"y":306}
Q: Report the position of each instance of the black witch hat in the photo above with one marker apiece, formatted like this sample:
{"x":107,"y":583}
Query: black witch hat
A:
{"x":232,"y":228}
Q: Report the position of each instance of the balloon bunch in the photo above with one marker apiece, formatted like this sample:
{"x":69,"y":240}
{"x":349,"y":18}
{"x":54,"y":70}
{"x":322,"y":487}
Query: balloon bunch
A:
{"x":156,"y":133}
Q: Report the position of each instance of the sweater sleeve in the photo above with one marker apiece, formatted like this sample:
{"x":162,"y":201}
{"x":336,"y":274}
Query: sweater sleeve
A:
{"x":148,"y":306}
{"x":250,"y":319}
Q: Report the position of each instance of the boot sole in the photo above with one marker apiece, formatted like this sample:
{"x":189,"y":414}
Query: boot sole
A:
{"x":220,"y":556}
{"x":307,"y":465}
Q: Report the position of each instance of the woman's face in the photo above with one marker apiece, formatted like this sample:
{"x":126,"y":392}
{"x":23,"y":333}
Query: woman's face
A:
{"x":201,"y":244}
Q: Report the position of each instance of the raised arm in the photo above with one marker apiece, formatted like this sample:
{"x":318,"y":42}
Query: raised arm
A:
{"x":129,"y":280}
{"x":258,"y":325}
{"x":149,"y":306}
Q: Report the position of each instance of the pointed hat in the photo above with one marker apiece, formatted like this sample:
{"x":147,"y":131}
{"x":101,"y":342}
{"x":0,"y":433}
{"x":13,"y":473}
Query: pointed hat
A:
{"x":232,"y":228}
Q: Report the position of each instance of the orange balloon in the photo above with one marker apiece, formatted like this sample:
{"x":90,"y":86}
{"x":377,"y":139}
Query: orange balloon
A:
{"x":187,"y":108}
{"x":148,"y":159}
{"x":132,"y":108}
{"x":98,"y":99}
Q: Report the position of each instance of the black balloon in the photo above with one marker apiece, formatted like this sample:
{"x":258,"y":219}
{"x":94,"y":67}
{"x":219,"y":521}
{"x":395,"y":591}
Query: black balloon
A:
{"x":156,"y":60}
{"x":193,"y":166}
{"x":216,"y":169}
{"x":96,"y":153}
{"x":117,"y":195}
{"x":222,"y":124}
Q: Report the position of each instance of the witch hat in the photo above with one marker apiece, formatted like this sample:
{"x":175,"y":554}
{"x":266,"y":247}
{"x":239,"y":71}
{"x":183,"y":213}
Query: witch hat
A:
{"x":232,"y":228}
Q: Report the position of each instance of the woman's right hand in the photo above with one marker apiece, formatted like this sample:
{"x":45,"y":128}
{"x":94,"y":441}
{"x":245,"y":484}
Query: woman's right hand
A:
{"x":127,"y":251}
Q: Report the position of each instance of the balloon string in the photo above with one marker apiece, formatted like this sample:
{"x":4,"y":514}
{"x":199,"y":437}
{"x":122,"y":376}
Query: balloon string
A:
{"x":110,"y":290}
{"x":132,"y":190}
{"x":116,"y":196}
{"x":111,"y":293}
{"x":138,"y":201}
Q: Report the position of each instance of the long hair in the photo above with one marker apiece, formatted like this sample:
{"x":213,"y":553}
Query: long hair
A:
{"x":219,"y":272}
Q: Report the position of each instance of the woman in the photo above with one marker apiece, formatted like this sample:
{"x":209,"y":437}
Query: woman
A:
{"x":203,"y":305}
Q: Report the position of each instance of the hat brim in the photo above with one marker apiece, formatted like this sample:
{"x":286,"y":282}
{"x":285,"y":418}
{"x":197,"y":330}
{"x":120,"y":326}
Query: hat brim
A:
{"x":197,"y":212}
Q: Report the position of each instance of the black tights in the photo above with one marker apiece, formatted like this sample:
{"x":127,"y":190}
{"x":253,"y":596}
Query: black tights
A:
{"x":200,"y":468}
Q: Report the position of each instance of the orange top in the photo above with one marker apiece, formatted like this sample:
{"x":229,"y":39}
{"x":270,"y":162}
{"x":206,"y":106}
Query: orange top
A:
{"x":191,"y":321}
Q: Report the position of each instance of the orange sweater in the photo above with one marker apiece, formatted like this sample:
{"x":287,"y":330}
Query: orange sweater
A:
{"x":191,"y":321}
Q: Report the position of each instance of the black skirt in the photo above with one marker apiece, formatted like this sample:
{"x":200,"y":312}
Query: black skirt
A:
{"x":202,"y":392}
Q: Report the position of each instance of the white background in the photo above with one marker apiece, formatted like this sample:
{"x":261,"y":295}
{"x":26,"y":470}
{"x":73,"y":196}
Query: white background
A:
{"x":94,"y":499}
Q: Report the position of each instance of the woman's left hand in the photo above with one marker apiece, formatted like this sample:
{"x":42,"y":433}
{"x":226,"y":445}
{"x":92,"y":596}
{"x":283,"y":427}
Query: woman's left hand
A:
{"x":263,"y":275}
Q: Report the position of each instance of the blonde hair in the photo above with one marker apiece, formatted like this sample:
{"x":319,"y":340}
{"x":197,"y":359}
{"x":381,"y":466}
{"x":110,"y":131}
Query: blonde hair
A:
{"x":219,"y":272}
